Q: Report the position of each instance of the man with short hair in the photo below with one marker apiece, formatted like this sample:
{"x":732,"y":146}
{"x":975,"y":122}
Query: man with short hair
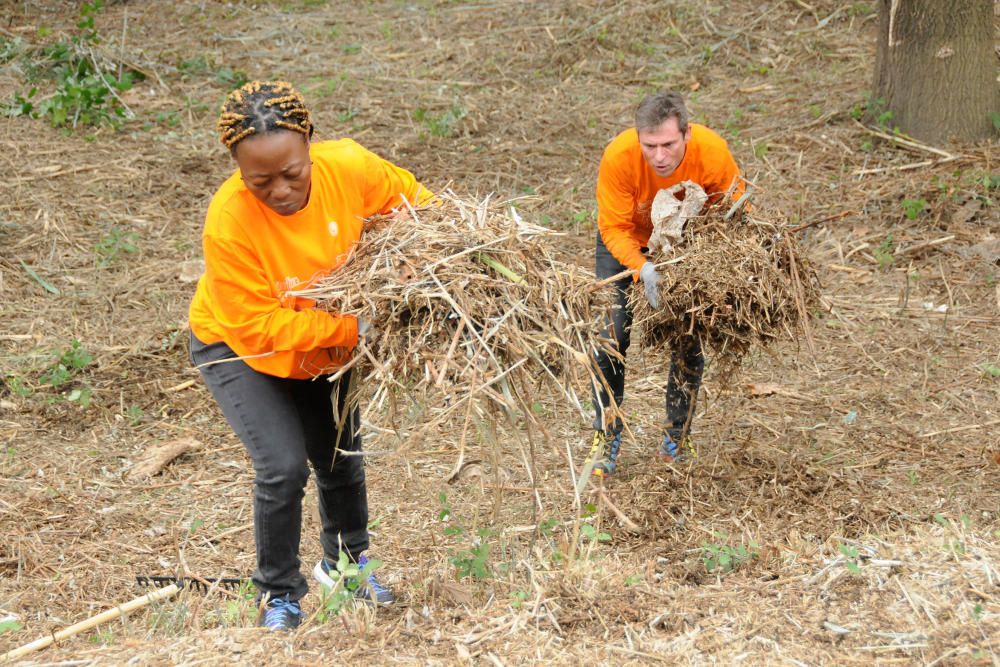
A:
{"x":662,"y":150}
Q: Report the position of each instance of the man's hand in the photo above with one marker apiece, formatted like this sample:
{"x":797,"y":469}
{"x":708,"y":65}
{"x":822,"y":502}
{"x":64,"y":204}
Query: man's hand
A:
{"x":650,"y":283}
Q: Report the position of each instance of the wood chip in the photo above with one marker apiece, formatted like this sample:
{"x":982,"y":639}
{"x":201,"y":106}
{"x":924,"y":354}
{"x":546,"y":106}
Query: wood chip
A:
{"x":157,"y":457}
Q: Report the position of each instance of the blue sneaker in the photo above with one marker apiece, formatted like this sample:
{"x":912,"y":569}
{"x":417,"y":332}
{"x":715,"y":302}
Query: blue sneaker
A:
{"x":281,"y":614}
{"x":374,"y":591}
{"x":606,"y":446}
{"x":671,"y":452}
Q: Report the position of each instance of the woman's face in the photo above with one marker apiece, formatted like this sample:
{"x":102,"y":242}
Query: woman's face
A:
{"x":276,"y":169}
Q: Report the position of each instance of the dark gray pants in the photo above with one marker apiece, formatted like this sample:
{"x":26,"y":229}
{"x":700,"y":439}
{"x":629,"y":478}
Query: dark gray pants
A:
{"x":284,"y":424}
{"x":686,"y":363}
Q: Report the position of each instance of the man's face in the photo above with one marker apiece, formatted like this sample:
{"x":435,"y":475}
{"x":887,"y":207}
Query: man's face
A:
{"x":664,"y":147}
{"x":276,"y":169}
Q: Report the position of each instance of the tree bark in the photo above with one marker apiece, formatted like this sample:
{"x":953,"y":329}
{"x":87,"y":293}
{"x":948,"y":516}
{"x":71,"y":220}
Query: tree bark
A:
{"x":935,"y":69}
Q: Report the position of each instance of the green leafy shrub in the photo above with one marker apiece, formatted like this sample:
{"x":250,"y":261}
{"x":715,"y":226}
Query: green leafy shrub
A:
{"x":65,"y":368}
{"x":69,"y":362}
{"x":86,"y":86}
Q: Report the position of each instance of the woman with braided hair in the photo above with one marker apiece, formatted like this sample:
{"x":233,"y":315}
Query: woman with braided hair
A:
{"x":291,"y":213}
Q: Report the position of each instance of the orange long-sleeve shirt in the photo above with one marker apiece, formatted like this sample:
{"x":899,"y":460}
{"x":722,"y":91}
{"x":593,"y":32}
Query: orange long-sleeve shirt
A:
{"x":626,"y":186}
{"x":253,"y":256}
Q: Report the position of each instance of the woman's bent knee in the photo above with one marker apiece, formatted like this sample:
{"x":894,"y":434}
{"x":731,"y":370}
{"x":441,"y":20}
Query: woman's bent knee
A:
{"x":286,"y":474}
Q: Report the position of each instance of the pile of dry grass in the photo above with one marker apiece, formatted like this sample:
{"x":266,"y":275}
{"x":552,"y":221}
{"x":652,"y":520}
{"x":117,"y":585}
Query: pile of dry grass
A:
{"x":468,"y":300}
{"x":734,"y":282}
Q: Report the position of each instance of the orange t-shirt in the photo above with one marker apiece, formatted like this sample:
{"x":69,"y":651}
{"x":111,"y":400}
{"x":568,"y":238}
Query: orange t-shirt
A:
{"x":253,"y":256}
{"x":626,"y":186}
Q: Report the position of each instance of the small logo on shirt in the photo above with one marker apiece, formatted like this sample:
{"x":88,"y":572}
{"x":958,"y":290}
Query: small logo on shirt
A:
{"x":333,"y":227}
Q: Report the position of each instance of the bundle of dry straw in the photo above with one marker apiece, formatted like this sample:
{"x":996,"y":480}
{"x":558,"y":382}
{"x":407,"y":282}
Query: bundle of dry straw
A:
{"x":735,"y":281}
{"x":468,"y":300}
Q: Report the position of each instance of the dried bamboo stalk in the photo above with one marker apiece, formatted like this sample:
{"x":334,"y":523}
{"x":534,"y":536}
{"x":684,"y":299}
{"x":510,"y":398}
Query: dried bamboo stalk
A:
{"x":469,"y":301}
{"x":740,"y":283}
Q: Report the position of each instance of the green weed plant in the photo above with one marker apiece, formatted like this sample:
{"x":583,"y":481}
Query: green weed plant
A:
{"x":350,"y":579}
{"x":473,"y":561}
{"x":115,"y":244}
{"x":720,"y":557}
{"x":442,"y":124}
{"x":70,"y":361}
{"x":850,"y":553}
{"x":912,"y":208}
{"x":884,"y":253}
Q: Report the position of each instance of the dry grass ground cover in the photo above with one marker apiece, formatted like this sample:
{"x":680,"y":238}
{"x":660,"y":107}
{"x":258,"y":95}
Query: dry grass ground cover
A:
{"x":843,"y":508}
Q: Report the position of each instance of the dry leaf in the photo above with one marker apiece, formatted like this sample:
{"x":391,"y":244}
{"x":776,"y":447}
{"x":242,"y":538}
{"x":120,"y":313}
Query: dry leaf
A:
{"x":448,"y":591}
{"x":761,"y":389}
{"x":470,"y":470}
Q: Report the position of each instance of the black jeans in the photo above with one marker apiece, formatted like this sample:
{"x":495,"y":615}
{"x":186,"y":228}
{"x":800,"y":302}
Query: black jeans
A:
{"x":284,"y":423}
{"x":686,"y":363}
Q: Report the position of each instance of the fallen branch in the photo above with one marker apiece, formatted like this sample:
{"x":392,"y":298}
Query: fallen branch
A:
{"x":926,"y":244}
{"x":820,"y":221}
{"x":627,"y":522}
{"x":969,"y":427}
{"x":907,"y":142}
{"x":905,"y":167}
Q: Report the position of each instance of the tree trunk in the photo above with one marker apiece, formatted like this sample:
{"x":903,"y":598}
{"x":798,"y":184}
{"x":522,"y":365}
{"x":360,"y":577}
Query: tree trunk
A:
{"x":935,"y":69}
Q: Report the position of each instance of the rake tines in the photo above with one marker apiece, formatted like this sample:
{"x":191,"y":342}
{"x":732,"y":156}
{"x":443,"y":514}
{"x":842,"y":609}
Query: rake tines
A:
{"x":201,"y":584}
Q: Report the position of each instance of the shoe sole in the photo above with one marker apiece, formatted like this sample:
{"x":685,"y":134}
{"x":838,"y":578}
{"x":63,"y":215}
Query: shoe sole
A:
{"x":322,"y":577}
{"x":669,"y":458}
{"x":281,"y":628}
{"x":595,"y":451}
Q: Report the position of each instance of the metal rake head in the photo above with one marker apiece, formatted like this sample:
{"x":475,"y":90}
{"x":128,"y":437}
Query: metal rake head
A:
{"x":201,"y":584}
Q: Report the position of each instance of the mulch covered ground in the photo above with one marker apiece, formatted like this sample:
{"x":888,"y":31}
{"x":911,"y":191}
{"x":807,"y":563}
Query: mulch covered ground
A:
{"x":850,"y":476}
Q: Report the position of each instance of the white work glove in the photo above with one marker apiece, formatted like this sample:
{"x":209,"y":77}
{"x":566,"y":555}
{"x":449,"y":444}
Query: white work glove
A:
{"x":650,"y":283}
{"x":369,"y":336}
